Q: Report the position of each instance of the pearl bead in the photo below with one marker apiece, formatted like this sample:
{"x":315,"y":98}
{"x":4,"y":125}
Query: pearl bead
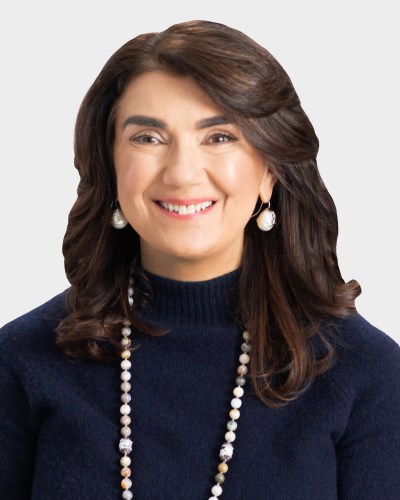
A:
{"x":126,"y":420}
{"x":246,"y":335}
{"x":230,"y":436}
{"x":125,"y":461}
{"x":130,"y":291}
{"x":126,"y":483}
{"x":244,"y":358}
{"x":126,"y":472}
{"x":234,"y":414}
{"x":126,"y":431}
{"x":125,"y":386}
{"x":127,"y":495}
{"x":126,"y":331}
{"x":236,"y":403}
{"x":238,"y":392}
{"x":223,"y":467}
{"x":125,"y":409}
{"x":125,"y":376}
{"x":126,"y":354}
{"x":242,"y":370}
{"x":213,"y":498}
{"x":216,"y":490}
{"x":125,"y":397}
{"x":240,"y":381}
{"x":130,"y":300}
{"x":126,"y":364}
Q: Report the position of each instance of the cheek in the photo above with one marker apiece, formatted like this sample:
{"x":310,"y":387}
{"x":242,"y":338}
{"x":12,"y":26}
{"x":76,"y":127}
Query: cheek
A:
{"x":242,"y":178}
{"x":131,"y":178}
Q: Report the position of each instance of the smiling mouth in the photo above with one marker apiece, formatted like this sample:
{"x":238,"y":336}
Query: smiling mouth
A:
{"x":186,"y":209}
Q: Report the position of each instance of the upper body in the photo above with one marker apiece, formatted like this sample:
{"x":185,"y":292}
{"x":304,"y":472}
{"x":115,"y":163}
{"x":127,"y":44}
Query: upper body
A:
{"x":193,"y":144}
{"x":59,"y":435}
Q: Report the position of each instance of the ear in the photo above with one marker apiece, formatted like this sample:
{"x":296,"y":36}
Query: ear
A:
{"x":267,"y":185}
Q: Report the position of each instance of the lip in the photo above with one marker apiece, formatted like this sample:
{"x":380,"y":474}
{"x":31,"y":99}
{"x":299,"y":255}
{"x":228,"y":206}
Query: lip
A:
{"x":184,"y":202}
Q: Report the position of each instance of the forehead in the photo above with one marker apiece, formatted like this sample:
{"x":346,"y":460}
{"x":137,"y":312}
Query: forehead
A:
{"x":159,"y":93}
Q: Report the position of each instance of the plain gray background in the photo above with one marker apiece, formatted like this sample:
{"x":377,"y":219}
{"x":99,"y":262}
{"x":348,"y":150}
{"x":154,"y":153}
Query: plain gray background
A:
{"x":343,"y":60}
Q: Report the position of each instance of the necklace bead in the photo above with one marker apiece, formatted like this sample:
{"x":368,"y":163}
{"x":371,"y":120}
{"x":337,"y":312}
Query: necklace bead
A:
{"x":242,"y":370}
{"x":125,"y":446}
{"x":125,"y":461}
{"x":126,"y":364}
{"x":126,"y":472}
{"x":238,"y":392}
{"x":125,"y":376}
{"x":223,"y":467}
{"x":125,"y":420}
{"x":231,"y":425}
{"x":125,"y":342}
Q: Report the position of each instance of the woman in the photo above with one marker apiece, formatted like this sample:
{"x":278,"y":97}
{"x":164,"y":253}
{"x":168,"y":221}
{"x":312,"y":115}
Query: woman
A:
{"x":217,"y":275}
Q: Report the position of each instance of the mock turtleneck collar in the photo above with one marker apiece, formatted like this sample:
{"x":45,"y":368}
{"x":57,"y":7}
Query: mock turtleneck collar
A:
{"x":192,"y":302}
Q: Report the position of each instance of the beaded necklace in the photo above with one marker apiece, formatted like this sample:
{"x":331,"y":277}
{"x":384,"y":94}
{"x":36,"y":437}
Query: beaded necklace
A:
{"x":125,"y":444}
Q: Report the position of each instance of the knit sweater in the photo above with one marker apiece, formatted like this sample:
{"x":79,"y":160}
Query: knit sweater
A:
{"x":59,"y":418}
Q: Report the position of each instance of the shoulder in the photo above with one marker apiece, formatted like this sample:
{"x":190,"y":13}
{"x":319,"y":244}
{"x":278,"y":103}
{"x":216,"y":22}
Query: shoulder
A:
{"x":356,"y":338}
{"x":34,"y":327}
{"x":366,"y":357}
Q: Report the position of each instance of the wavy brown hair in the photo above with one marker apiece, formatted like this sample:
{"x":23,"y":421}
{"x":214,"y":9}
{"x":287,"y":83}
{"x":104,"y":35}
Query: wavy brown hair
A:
{"x":289,"y":279}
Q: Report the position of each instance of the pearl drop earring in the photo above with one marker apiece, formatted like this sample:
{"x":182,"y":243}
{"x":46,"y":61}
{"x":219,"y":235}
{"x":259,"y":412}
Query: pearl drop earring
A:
{"x":267,"y":218}
{"x":118,"y":220}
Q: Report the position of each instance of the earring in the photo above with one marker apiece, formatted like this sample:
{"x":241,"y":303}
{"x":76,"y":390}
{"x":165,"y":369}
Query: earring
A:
{"x":267,"y":218}
{"x":118,"y":220}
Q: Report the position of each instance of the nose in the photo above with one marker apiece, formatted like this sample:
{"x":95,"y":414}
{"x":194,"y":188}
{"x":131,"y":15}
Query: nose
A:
{"x":182,"y":166}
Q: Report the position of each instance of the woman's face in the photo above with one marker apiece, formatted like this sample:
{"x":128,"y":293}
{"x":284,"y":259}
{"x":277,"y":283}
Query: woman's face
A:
{"x":187,"y":179}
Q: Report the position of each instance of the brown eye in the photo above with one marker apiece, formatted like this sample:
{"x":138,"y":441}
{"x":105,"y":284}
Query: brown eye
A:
{"x":221,"y":138}
{"x":145,"y":139}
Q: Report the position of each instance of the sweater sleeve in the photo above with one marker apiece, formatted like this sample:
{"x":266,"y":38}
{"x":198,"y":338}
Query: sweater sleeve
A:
{"x":17,"y":439}
{"x":368,"y":453}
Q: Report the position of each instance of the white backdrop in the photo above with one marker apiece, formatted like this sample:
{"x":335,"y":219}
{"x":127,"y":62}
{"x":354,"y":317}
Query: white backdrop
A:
{"x":343,"y":60}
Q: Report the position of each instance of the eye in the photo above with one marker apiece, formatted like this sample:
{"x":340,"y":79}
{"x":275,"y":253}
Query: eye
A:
{"x":221,"y":138}
{"x":146,"y":138}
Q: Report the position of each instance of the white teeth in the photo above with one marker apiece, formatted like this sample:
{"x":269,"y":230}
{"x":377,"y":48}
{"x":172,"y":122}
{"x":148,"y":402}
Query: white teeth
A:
{"x":186,"y":209}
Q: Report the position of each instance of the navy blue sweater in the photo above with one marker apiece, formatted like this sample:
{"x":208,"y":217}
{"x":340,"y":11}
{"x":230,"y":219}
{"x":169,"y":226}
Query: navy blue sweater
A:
{"x":59,"y":418}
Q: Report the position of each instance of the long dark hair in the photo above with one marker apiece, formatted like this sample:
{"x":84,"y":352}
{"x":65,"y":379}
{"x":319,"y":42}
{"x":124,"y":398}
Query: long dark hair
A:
{"x":289,"y":278}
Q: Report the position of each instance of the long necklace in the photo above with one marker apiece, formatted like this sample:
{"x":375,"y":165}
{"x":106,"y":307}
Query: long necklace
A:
{"x":125,"y":444}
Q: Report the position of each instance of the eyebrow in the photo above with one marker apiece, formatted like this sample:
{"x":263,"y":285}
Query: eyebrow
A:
{"x":148,"y":121}
{"x":212,"y":121}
